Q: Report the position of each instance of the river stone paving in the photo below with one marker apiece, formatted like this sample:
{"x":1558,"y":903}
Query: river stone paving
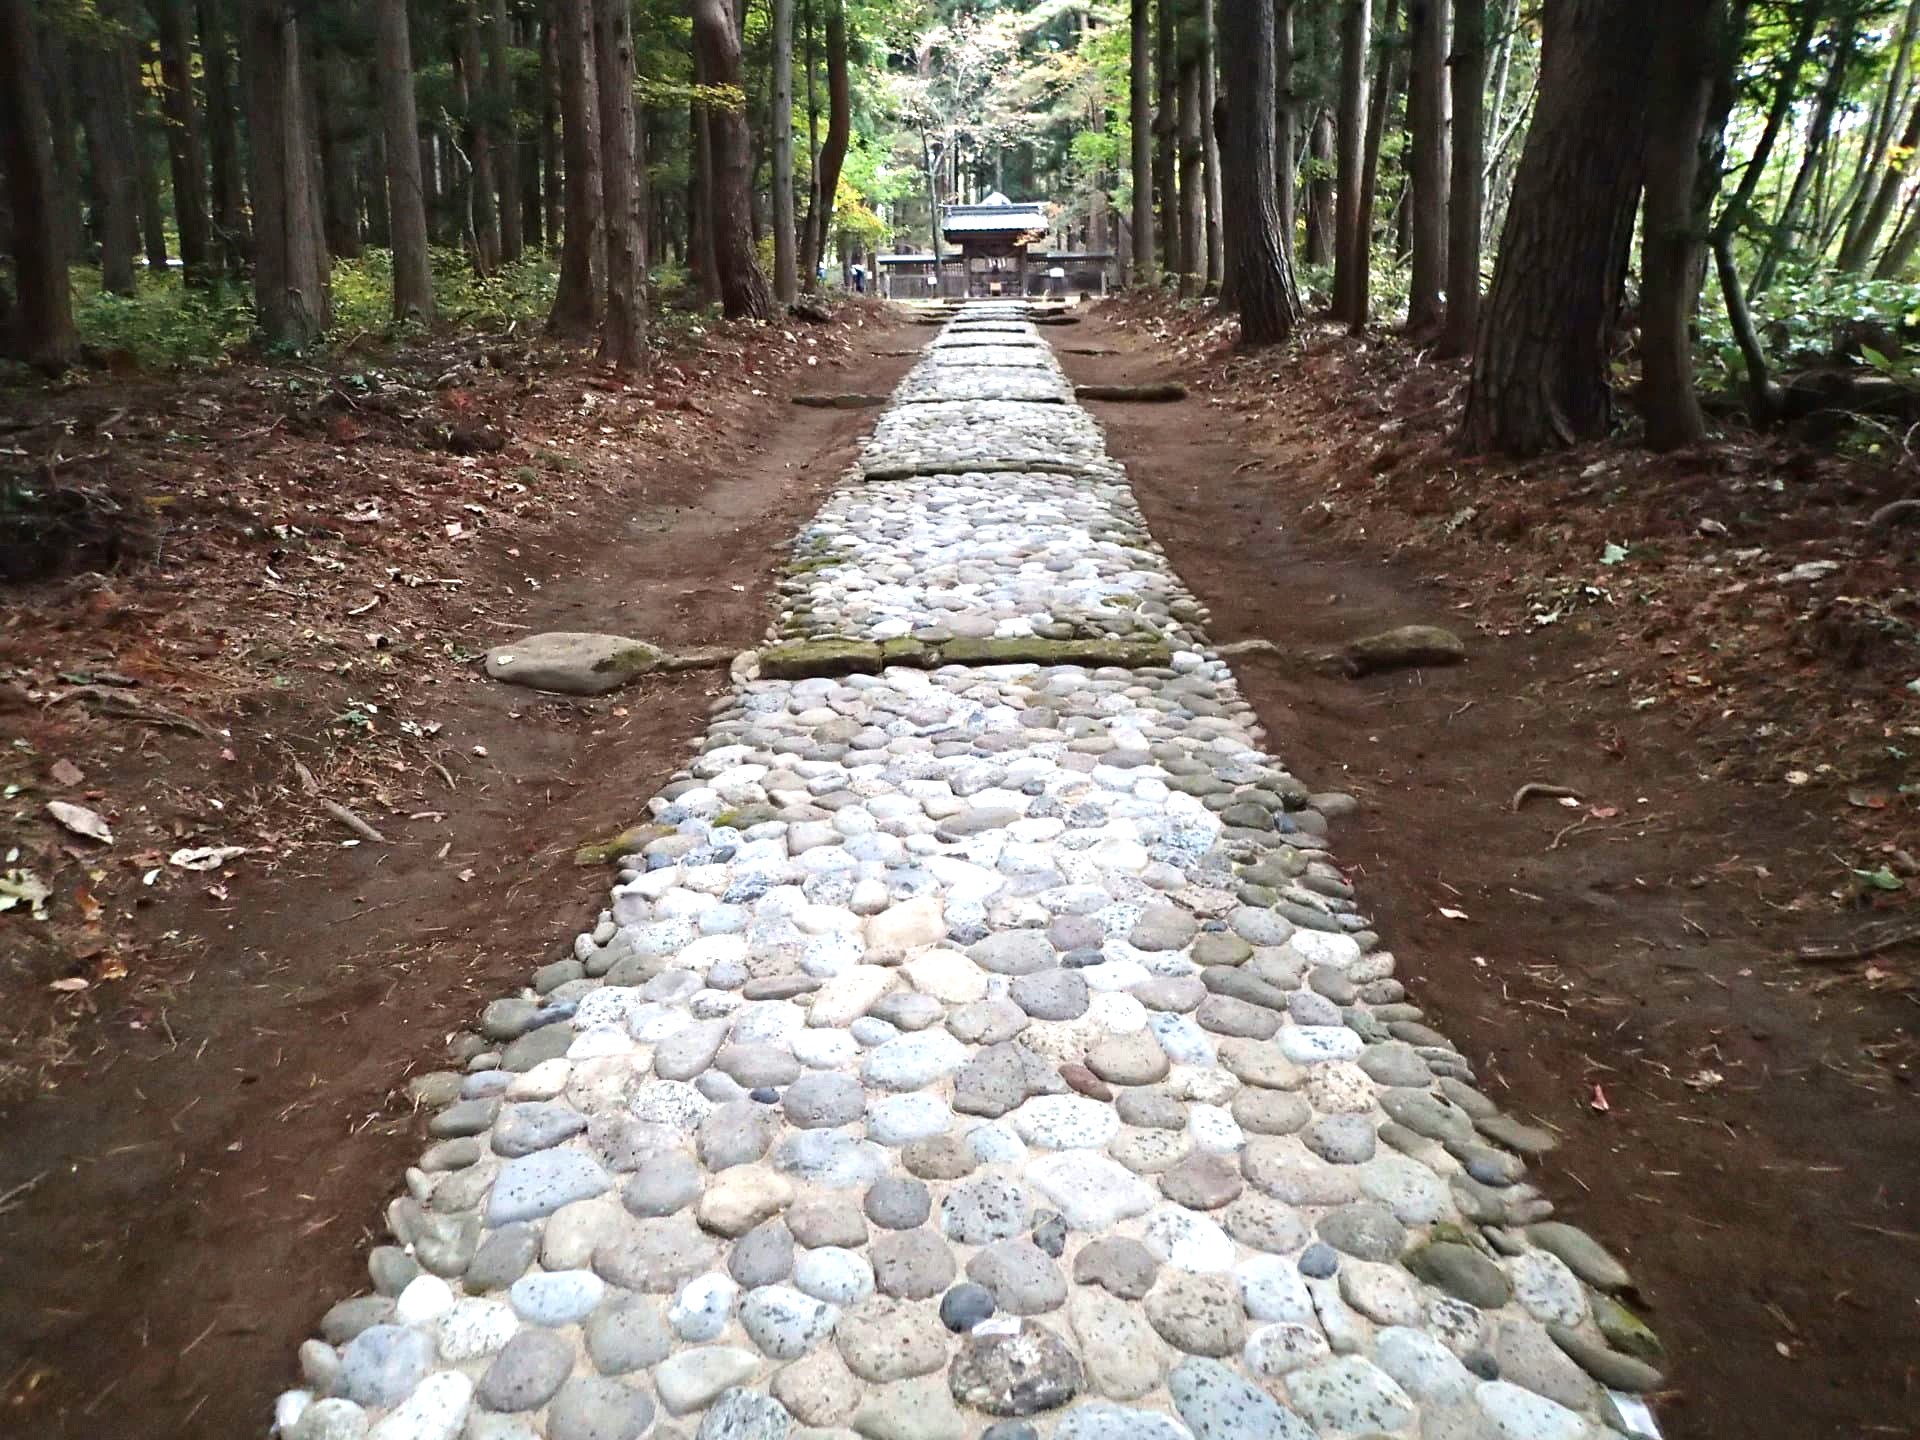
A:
{"x":984,"y":1049}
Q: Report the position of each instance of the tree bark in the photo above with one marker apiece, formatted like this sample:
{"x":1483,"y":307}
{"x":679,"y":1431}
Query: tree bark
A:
{"x":744,"y":292}
{"x":338,"y":118}
{"x":230,"y":228}
{"x":1782,"y":234}
{"x":147,"y":142}
{"x":373,"y":189}
{"x":1855,"y":255}
{"x":506,"y":145}
{"x":1886,"y":115}
{"x":1166,"y":130}
{"x":1468,"y":75}
{"x":183,"y":140}
{"x":1140,"y":113}
{"x":1540,"y":373}
{"x":833,"y":154}
{"x":1350,"y":143}
{"x":1673,"y":226}
{"x":42,"y":332}
{"x":780,"y":128}
{"x":1210,"y":151}
{"x":63,"y":118}
{"x":1285,"y":139}
{"x":623,"y":338}
{"x":107,"y":109}
{"x":1321,"y":204}
{"x":1360,"y":298}
{"x":1262,"y":258}
{"x":577,"y":300}
{"x":290,"y":262}
{"x":1193,"y":197}
{"x":552,"y":191}
{"x":406,"y":196}
{"x":482,"y":193}
{"x":1426,"y":162}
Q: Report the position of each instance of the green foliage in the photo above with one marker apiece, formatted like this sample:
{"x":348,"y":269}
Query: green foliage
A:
{"x":1812,"y":313}
{"x":164,"y":324}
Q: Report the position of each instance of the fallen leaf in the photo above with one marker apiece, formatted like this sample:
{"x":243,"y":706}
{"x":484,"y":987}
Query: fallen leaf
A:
{"x":1452,"y":914}
{"x":65,"y":772}
{"x":205,"y":857}
{"x":81,"y":820}
{"x":1599,"y":1100}
{"x":70,"y":985}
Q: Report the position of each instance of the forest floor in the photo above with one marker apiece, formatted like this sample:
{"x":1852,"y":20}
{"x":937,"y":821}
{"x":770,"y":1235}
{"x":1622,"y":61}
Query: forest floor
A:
{"x":1624,"y":967}
{"x":201,"y":1112}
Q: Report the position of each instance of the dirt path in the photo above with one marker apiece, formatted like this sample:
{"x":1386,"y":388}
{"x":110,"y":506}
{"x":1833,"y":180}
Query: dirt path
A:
{"x":175,"y":1215}
{"x":1739,"y":1126}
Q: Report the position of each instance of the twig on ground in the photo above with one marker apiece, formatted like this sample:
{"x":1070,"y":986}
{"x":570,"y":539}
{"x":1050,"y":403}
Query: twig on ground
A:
{"x":1535,"y":789}
{"x":352,"y":821}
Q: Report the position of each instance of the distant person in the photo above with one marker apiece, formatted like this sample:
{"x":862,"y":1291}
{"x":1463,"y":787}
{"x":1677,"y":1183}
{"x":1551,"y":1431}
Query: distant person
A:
{"x":860,"y":279}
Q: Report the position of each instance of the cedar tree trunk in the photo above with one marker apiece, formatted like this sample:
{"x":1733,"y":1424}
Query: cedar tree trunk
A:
{"x":1427,"y":161}
{"x":577,"y":299}
{"x":42,"y":332}
{"x":623,"y":338}
{"x":1540,"y":373}
{"x":744,"y":291}
{"x":1261,"y":260}
{"x":780,"y":124}
{"x":1350,"y":143}
{"x":290,"y":262}
{"x":406,"y":195}
{"x":1140,"y":112}
{"x":1468,"y":72}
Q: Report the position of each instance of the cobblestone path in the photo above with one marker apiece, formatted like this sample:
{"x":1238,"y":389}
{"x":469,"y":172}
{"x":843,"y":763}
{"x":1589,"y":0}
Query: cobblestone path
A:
{"x":975,"y":1043}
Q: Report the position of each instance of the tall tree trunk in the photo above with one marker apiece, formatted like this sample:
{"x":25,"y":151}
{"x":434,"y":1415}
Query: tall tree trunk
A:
{"x":1468,"y":74}
{"x":338,"y":117}
{"x":623,"y":338}
{"x":1426,"y":161}
{"x":290,"y":263}
{"x":702,"y":263}
{"x":833,"y":154}
{"x":1193,"y":195}
{"x":108,"y":111}
{"x":482,"y":193}
{"x":1166,"y":130}
{"x":373,"y":190}
{"x":1360,"y":299}
{"x":1350,"y":141}
{"x":1784,"y":233}
{"x":1686,"y":35}
{"x":1886,"y":115}
{"x":780,"y":123}
{"x":744,"y":292}
{"x":1320,"y":195}
{"x":42,"y":331}
{"x":406,"y":195}
{"x":1859,"y":250}
{"x":1140,"y":113}
{"x":183,"y":139}
{"x":223,"y":139}
{"x":147,"y":143}
{"x":1540,"y":372}
{"x":57,"y":76}
{"x":1285,"y":139}
{"x":506,"y":144}
{"x":1262,"y":258}
{"x":1210,"y":151}
{"x":1906,"y":239}
{"x":1785,"y":91}
{"x":808,"y":262}
{"x":577,"y":299}
{"x":553,"y":192}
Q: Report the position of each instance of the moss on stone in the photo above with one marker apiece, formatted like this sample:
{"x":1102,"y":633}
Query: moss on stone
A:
{"x":1033,"y":649}
{"x":1625,"y":1331}
{"x":828,"y":655}
{"x":633,"y":838}
{"x":904,"y":650}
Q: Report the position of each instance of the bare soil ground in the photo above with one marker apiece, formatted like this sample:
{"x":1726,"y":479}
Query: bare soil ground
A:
{"x":1736,"y":1121}
{"x":203,"y":1109}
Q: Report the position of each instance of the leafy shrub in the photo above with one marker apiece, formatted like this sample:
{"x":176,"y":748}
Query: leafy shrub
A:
{"x":163,"y":324}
